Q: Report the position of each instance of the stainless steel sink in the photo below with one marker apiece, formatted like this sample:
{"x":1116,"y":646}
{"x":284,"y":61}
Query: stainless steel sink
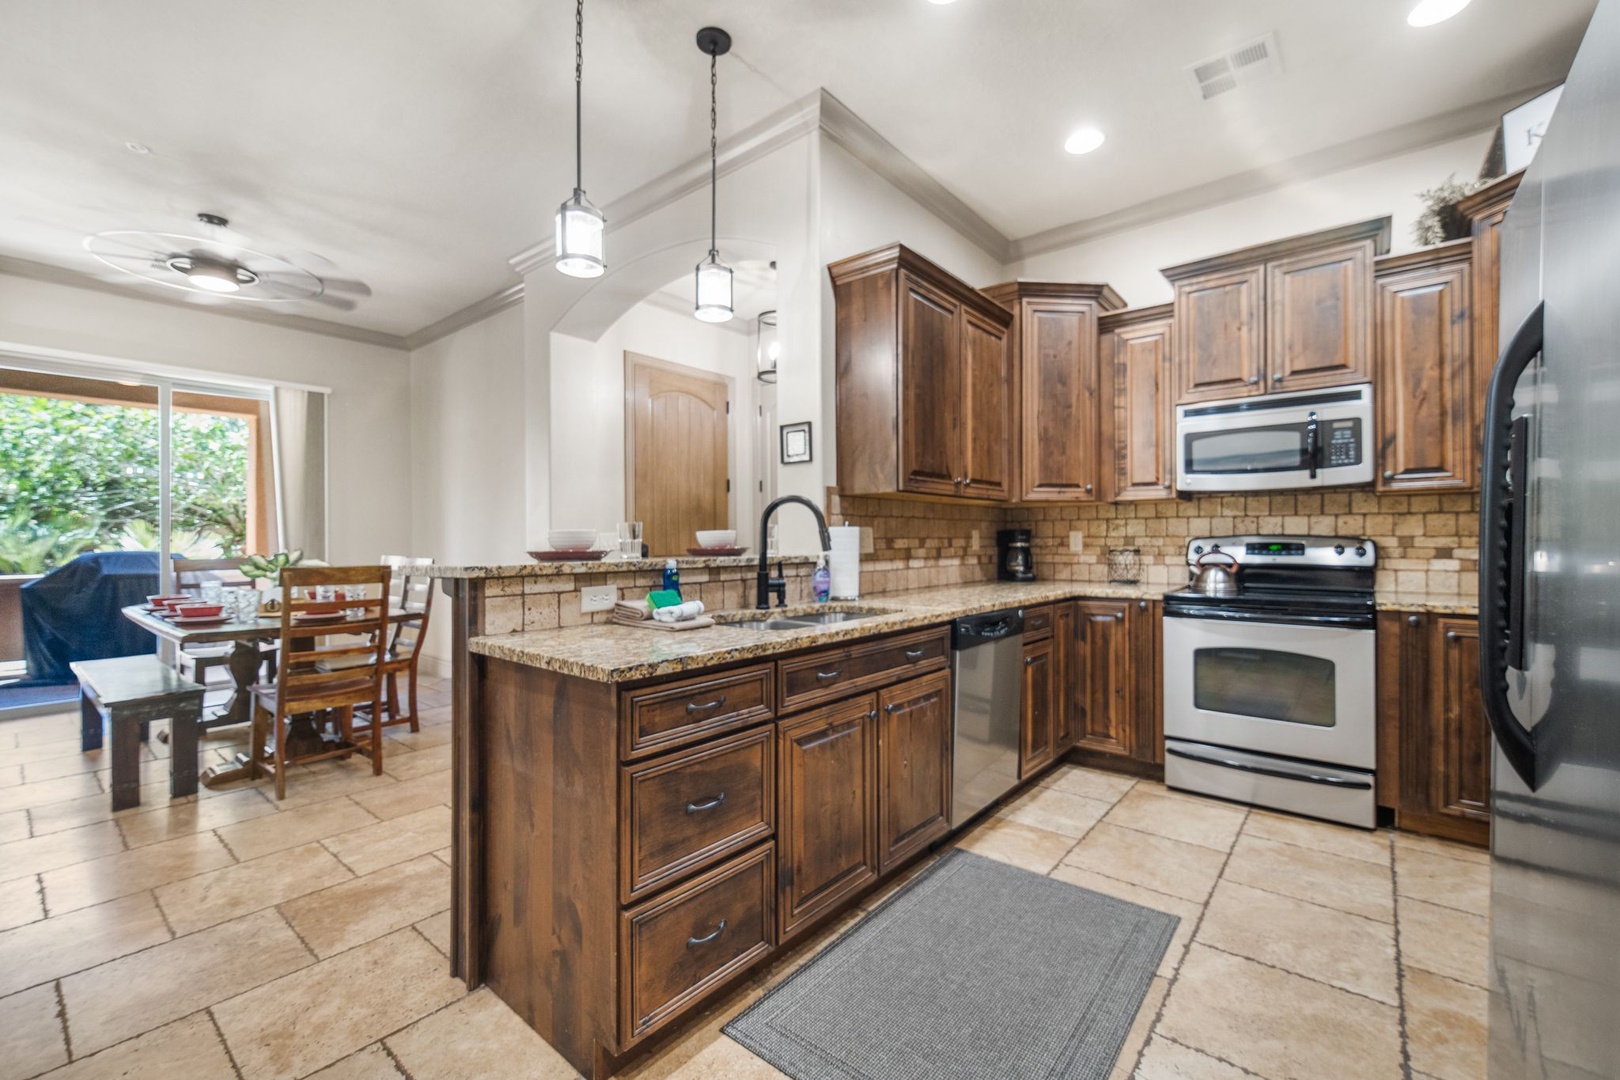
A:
{"x":799,"y":622}
{"x":765,"y":624}
{"x":828,"y":618}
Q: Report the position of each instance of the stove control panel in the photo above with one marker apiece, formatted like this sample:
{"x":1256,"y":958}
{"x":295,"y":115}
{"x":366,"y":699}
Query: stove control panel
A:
{"x":1341,"y":552}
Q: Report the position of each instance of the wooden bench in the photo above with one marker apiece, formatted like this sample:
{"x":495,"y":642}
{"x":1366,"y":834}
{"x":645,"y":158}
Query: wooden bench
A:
{"x":128,"y":693}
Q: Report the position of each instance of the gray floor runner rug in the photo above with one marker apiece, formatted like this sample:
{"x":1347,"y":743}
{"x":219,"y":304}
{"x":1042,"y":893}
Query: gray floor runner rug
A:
{"x":976,"y":970}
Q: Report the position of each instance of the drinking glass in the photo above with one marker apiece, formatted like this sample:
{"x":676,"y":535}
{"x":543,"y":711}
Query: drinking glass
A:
{"x":629,"y":539}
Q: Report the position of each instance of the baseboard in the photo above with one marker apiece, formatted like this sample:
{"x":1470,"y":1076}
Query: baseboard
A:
{"x":437,"y":667}
{"x":1093,"y":759}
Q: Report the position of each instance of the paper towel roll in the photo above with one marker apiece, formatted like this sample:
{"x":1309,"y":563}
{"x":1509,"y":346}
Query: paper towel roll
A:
{"x":844,"y":563}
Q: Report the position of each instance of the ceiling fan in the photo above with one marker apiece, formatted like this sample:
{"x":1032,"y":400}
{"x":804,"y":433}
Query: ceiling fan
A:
{"x":221,"y":263}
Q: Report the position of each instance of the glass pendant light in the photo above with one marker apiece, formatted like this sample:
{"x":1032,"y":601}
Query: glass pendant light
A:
{"x":579,"y":224}
{"x":713,"y":278}
{"x":768,"y":347}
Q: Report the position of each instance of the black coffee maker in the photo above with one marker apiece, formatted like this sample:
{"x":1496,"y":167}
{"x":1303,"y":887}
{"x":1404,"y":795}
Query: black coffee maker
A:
{"x":1013,"y":559}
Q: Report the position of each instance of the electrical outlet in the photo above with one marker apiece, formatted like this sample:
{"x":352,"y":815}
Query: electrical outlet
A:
{"x":1077,"y":542}
{"x":597,"y":598}
{"x":866,"y":540}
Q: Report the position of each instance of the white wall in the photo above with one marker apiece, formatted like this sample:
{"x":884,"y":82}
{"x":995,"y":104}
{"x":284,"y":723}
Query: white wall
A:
{"x":368,"y":447}
{"x":587,"y":413}
{"x":1130,"y":261}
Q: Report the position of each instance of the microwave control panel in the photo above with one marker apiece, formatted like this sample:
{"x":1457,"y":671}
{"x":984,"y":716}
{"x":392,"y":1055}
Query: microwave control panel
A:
{"x":1344,"y":442}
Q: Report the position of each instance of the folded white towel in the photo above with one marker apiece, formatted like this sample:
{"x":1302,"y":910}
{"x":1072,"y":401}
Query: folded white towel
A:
{"x":679,"y":612}
{"x":632,"y":610}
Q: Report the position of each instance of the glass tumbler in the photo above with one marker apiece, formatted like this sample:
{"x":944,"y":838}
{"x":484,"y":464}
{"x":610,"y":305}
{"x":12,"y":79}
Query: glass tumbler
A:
{"x":629,"y":539}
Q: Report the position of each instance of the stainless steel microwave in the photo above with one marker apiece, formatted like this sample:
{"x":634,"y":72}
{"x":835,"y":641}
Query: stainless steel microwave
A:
{"x":1310,"y":438}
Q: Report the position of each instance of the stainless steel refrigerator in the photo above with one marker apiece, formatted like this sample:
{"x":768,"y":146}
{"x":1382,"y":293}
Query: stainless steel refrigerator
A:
{"x":1550,"y":594}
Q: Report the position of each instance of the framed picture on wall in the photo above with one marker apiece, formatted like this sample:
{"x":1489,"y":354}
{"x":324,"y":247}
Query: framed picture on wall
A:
{"x":1523,"y":127}
{"x":796,"y":443}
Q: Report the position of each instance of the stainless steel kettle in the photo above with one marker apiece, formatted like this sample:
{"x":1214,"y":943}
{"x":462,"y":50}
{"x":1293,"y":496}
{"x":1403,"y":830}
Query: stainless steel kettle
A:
{"x":1216,"y":580}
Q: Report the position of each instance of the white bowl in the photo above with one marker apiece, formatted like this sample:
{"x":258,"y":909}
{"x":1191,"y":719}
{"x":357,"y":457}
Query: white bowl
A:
{"x":571,"y":539}
{"x":717,"y":538}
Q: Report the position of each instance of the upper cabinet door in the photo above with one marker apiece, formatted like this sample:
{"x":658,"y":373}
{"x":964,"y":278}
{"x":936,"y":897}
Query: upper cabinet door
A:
{"x":1319,"y":318}
{"x":1219,"y":338}
{"x":931,"y":391}
{"x":1425,"y":378}
{"x":1136,"y":366}
{"x":1058,"y":361}
{"x":987,"y":434}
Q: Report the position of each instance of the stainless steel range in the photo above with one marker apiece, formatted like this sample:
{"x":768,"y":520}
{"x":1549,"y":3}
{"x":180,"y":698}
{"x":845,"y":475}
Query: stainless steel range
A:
{"x":1269,"y":688}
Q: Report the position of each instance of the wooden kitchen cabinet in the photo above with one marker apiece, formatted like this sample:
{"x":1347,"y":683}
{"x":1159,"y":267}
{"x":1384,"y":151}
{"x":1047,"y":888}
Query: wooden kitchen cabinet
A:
{"x":828,"y":840}
{"x":1138,"y":418}
{"x":1425,"y":370}
{"x":914,"y":767}
{"x":1064,"y":644}
{"x":1035,"y":747}
{"x":1434,"y":741}
{"x":1117,"y":670}
{"x":1054,"y":347}
{"x":924,"y":380}
{"x":1486,"y":209}
{"x":1295,"y":314}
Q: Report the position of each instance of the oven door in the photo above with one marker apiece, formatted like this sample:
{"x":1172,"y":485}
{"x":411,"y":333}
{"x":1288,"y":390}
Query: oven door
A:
{"x":1298,"y":691}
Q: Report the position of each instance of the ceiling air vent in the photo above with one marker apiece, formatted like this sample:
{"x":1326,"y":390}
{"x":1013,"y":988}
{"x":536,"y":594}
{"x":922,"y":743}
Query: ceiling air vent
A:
{"x":1249,"y":62}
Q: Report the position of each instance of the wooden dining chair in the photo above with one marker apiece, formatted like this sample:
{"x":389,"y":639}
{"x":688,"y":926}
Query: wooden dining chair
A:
{"x":315,"y":678}
{"x":412,"y":594}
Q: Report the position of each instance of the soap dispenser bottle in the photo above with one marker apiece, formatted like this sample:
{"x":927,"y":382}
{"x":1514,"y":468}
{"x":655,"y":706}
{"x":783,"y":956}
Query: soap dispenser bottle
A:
{"x":821,"y":581}
{"x":672,"y":577}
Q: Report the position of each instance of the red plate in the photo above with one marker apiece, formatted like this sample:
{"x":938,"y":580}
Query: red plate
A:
{"x":716,"y":553}
{"x":567,"y":556}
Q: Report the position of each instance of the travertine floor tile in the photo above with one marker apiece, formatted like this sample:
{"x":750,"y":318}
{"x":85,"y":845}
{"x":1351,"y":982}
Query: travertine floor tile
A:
{"x":1353,"y":885}
{"x":1102,"y":786}
{"x":477,"y":1038}
{"x":1055,"y":811}
{"x":1141,"y":1027}
{"x":47,"y":950}
{"x":31,"y":1039}
{"x":366,"y":908}
{"x":1348,"y":951}
{"x":1334,"y":839}
{"x":706,"y":1030}
{"x":1442,"y":880}
{"x":25,"y":858}
{"x":1433,"y":845}
{"x":10,"y":775}
{"x":408,"y":766}
{"x":225,"y":894}
{"x":1445,"y":1026}
{"x":46,"y":792}
{"x":1193,"y":821}
{"x":389,"y":842}
{"x":1444,"y":940}
{"x":13,"y":826}
{"x":115,"y":1001}
{"x":290,"y":828}
{"x":311,"y":1018}
{"x":1187,"y":911}
{"x":372,"y":1063}
{"x":436,"y":928}
{"x":1154,"y":862}
{"x":1168,"y":1060}
{"x":75,"y":765}
{"x":20,"y":902}
{"x":66,"y":744}
{"x":1016,"y":843}
{"x":169,"y":820}
{"x":724,"y":1059}
{"x":407,"y":796}
{"x":128,"y":872}
{"x":187,"y":1049}
{"x":1278,"y":1024}
{"x":429,"y":736}
{"x":330,"y":779}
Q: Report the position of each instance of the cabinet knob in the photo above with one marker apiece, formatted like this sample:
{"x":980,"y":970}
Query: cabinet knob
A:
{"x":1388,"y":475}
{"x":1253,"y":379}
{"x":1141,"y":605}
{"x":1277,"y":377}
{"x":1414,"y":620}
{"x":1451,"y":635}
{"x":1119,"y":616}
{"x":1088,"y":489}
{"x":967,"y":481}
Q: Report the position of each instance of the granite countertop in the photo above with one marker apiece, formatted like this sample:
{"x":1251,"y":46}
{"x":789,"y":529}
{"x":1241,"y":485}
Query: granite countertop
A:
{"x":606,"y":652}
{"x":1417,"y":600}
{"x":608,"y":566}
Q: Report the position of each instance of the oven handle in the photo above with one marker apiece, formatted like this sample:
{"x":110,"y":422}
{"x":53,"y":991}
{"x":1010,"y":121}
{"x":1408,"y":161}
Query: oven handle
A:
{"x":1214,"y":758}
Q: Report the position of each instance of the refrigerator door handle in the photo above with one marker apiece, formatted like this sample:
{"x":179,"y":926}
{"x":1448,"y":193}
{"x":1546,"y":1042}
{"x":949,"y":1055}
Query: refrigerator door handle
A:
{"x":1502,"y":514}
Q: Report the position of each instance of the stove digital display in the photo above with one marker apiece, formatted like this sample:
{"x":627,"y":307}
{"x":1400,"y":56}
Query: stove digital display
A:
{"x":1274,"y":549}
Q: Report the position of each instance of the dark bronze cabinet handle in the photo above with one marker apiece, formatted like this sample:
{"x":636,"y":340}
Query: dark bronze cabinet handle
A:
{"x":1029,"y":661}
{"x":1141,"y":605}
{"x":1119,"y":616}
{"x":691,"y":941}
{"x":708,"y":804}
{"x":1413,"y":620}
{"x":692,"y":706}
{"x":1451,"y":635}
{"x":825,"y":675}
{"x":915,"y":654}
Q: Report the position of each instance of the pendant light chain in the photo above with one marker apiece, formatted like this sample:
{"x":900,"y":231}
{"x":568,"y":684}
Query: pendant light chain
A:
{"x":714,"y":174}
{"x":580,"y":226}
{"x":579,"y":93}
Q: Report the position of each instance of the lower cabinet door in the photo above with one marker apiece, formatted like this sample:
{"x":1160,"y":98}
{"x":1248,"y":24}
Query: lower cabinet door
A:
{"x":1460,"y":782}
{"x":1035,"y":728}
{"x":1065,"y":710}
{"x":914,"y":767}
{"x":1108,"y":687}
{"x":677,"y":946}
{"x":827,"y":815}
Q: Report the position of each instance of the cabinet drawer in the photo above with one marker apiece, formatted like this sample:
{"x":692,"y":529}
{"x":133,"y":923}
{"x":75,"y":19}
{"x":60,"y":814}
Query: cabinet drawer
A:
{"x":1037,"y":622}
{"x":693,"y":808}
{"x":835,"y":673}
{"x":668,"y":715}
{"x":675,"y":948}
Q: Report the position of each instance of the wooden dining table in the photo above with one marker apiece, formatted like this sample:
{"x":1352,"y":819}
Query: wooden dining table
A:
{"x":244,"y":636}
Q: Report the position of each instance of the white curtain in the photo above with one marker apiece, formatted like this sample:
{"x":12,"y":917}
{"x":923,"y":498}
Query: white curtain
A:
{"x":298,"y":431}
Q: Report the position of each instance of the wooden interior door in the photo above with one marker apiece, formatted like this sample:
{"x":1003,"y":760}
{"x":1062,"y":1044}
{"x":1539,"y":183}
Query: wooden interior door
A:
{"x":1425,"y":379}
{"x":987,"y":433}
{"x":914,"y":767}
{"x":931,"y":392}
{"x":1318,"y":317}
{"x":1219,"y":336}
{"x":677,"y":444}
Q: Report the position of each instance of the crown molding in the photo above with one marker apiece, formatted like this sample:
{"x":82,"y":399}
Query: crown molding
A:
{"x":1346,"y":155}
{"x":58,"y":275}
{"x":510,"y":296}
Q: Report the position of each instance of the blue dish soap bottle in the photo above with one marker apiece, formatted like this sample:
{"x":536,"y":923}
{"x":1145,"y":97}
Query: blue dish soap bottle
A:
{"x":821,"y":581}
{"x":672,"y":577}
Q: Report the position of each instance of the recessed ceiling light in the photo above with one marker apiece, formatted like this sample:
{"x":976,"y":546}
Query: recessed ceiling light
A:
{"x":1083,"y":141}
{"x":1429,"y":12}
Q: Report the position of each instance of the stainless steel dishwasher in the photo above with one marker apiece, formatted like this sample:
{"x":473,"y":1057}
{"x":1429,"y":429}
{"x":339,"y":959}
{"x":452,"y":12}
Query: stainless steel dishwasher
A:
{"x":987,"y":661}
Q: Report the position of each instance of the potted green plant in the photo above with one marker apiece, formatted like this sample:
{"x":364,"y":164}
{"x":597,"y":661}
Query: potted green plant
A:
{"x":268,"y":568}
